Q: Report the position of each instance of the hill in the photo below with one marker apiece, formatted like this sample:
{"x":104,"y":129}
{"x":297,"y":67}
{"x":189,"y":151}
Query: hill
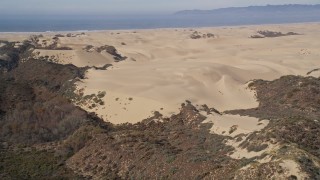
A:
{"x":271,"y":14}
{"x":279,"y":9}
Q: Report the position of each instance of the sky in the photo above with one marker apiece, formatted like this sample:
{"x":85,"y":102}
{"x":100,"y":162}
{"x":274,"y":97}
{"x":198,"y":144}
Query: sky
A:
{"x":125,"y":7}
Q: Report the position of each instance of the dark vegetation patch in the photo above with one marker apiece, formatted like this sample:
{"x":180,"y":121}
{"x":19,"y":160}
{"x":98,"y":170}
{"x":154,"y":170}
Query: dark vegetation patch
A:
{"x":105,"y":67}
{"x":271,"y":34}
{"x":91,"y":101}
{"x":210,"y":110}
{"x":199,"y":35}
{"x":59,"y":35}
{"x":33,"y":164}
{"x":75,"y":35}
{"x":52,"y":58}
{"x":10,"y":56}
{"x":108,"y":49}
{"x":53,"y":45}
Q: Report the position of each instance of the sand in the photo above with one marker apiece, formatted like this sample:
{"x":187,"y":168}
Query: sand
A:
{"x":233,"y":125}
{"x":165,"y":67}
{"x":292,"y":168}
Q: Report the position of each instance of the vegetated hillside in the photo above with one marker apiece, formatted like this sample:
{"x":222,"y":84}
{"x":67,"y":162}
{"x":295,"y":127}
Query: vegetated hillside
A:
{"x":35,"y":115}
{"x":44,"y":136}
{"x":293,"y":105}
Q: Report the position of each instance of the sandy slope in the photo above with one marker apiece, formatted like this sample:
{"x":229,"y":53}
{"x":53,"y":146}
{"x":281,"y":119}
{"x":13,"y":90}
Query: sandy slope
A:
{"x":166,"y":67}
{"x":170,"y":68}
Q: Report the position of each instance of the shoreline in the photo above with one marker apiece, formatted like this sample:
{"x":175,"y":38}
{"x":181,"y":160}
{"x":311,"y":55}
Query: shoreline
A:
{"x":169,"y":28}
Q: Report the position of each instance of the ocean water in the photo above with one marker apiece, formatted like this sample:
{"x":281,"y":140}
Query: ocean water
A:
{"x":89,"y":23}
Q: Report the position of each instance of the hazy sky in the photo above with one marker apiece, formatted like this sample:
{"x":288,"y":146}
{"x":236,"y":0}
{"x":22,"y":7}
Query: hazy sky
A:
{"x":126,"y":6}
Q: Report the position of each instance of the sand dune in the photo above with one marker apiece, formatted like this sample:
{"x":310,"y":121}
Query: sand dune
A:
{"x":165,"y":67}
{"x":169,"y":67}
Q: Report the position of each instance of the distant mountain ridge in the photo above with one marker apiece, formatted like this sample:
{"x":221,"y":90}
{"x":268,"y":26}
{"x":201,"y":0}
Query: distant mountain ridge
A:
{"x":289,"y":8}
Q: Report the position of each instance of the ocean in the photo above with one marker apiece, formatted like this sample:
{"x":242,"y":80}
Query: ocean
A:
{"x":90,"y":23}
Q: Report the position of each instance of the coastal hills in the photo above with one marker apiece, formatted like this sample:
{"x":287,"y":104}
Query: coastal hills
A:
{"x":270,"y":9}
{"x":269,"y":14}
